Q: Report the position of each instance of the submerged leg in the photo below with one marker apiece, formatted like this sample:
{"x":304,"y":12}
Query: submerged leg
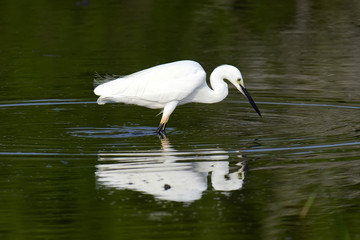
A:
{"x":161,"y":130}
{"x":168,"y":109}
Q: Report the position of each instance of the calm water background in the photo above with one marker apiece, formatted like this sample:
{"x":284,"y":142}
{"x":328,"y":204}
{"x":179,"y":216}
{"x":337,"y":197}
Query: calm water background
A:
{"x":71,"y":169}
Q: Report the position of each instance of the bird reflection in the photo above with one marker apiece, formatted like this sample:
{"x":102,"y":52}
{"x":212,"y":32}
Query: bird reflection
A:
{"x":169,"y":174}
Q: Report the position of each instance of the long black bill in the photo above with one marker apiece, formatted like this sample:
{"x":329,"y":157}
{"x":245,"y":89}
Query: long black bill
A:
{"x":251,"y":101}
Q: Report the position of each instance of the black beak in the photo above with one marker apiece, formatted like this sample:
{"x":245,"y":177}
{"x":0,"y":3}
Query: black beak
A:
{"x":251,"y":101}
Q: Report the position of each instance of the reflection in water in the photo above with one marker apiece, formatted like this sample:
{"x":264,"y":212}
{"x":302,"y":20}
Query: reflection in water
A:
{"x":169,"y":174}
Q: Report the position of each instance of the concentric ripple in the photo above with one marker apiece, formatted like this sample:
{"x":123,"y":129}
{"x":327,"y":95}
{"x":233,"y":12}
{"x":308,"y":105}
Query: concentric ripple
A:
{"x":201,"y":157}
{"x":51,"y":121}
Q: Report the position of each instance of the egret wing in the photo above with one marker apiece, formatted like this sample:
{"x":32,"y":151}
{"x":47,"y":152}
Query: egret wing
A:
{"x":157,"y":85}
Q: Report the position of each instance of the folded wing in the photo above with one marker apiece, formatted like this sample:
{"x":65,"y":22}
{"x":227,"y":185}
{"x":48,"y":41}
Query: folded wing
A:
{"x":156,"y":86}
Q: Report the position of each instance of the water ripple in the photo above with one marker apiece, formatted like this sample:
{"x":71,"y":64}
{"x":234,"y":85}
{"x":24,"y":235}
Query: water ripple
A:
{"x":112,"y":132}
{"x":47,"y":102}
{"x":335,"y":145}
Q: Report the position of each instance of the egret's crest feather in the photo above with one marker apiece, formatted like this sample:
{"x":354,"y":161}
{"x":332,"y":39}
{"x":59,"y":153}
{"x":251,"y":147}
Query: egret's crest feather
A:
{"x":98,"y":79}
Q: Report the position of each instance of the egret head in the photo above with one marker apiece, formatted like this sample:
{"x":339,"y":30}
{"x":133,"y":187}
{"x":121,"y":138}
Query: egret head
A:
{"x":233,"y":75}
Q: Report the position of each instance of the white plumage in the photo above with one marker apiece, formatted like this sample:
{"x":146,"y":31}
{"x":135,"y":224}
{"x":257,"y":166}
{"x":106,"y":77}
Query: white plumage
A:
{"x":169,"y":85}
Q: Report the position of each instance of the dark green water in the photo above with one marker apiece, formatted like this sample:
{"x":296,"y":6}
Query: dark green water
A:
{"x":71,"y":169}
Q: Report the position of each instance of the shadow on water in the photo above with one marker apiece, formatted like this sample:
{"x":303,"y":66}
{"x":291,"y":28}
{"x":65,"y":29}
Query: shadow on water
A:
{"x":169,"y":174}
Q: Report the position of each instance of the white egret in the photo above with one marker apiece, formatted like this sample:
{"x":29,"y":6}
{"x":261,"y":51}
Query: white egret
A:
{"x":168,"y":85}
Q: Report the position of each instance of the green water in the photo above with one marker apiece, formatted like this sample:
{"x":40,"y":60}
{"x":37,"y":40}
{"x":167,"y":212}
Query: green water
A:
{"x":71,"y":169}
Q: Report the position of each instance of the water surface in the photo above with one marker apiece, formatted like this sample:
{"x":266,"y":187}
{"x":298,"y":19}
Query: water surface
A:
{"x":73,"y":169}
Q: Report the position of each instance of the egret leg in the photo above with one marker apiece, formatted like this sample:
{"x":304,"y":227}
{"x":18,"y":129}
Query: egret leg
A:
{"x":161,"y":130}
{"x":168,"y":109}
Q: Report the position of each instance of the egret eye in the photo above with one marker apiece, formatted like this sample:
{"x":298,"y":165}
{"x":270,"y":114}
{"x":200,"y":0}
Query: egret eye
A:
{"x":238,"y":81}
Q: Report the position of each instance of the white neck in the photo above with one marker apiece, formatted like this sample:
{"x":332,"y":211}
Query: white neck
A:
{"x":219,"y":89}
